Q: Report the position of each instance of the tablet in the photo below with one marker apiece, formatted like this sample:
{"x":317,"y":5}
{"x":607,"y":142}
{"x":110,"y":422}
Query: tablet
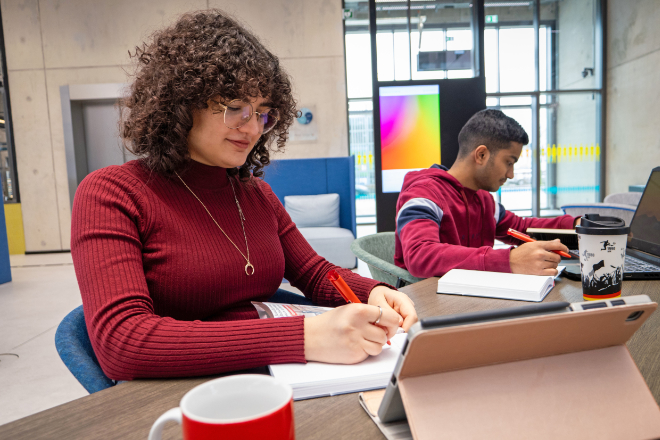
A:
{"x":458,"y":342}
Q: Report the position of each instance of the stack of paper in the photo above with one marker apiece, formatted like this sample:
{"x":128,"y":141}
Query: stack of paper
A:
{"x":496,"y":285}
{"x":316,"y":379}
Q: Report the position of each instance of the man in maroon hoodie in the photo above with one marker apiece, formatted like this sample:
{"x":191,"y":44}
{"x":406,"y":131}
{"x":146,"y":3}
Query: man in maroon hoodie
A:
{"x":446,"y":219}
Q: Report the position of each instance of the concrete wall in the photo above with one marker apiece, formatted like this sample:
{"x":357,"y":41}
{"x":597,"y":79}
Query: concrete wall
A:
{"x":633,"y":92}
{"x":50,"y":43}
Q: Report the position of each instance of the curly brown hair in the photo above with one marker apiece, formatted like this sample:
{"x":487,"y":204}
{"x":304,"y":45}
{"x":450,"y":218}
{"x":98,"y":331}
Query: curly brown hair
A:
{"x":203,"y":55}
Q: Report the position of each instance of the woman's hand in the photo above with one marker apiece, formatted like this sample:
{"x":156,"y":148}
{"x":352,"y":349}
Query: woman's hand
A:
{"x":396,"y":301}
{"x":346,"y":335}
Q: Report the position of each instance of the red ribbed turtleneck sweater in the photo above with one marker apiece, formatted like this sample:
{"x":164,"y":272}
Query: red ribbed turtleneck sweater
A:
{"x":165,"y":293}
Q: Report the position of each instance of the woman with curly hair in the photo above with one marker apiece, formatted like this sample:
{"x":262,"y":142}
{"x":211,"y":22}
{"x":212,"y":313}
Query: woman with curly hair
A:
{"x":170,"y":249}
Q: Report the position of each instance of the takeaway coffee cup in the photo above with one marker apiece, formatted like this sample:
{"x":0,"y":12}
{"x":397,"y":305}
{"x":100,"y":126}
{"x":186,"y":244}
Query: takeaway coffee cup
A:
{"x":247,"y":406}
{"x":602,"y":244}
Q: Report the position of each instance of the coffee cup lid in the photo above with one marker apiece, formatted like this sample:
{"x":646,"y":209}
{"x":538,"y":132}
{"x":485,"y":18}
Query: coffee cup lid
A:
{"x":596,"y":224}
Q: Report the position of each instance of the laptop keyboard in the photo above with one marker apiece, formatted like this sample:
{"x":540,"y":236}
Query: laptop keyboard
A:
{"x":631,"y":264}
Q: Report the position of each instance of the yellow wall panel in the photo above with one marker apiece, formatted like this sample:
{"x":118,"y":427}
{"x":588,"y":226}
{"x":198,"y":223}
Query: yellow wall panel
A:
{"x":15,"y":235}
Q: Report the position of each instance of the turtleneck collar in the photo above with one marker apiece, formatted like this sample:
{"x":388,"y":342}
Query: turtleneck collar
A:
{"x":198,"y":175}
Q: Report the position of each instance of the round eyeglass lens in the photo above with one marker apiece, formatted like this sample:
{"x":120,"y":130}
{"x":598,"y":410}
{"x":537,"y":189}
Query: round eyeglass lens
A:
{"x":269,"y":119}
{"x":237,"y":113}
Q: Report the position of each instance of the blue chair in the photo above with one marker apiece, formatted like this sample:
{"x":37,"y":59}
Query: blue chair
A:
{"x":285,"y":297}
{"x":75,"y":350}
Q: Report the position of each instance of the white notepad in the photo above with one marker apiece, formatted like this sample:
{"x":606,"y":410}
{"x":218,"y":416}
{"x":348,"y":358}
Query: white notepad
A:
{"x":316,"y":379}
{"x":496,"y":285}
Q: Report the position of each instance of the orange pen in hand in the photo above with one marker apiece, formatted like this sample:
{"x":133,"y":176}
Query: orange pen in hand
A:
{"x":344,"y":290}
{"x":527,"y":239}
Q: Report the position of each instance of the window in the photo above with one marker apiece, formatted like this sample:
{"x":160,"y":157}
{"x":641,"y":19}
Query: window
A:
{"x":563,"y":126}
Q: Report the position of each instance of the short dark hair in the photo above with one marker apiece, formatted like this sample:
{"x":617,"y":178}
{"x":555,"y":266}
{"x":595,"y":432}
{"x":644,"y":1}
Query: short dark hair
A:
{"x":203,"y":55}
{"x":491,"y":128}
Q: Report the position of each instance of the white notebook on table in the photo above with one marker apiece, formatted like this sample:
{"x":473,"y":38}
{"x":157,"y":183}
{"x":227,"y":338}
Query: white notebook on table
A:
{"x":496,"y":285}
{"x":316,"y":379}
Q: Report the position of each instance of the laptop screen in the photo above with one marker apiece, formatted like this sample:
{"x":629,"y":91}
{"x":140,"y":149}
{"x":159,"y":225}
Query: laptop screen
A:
{"x":645,"y":225}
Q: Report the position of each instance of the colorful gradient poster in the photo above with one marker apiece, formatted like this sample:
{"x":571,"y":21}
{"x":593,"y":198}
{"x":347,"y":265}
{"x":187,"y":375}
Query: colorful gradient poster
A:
{"x":409,"y":131}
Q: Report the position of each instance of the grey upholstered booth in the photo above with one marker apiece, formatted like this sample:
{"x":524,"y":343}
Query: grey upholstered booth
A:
{"x":328,"y":224}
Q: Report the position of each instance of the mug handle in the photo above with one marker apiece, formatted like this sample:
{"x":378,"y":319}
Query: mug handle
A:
{"x":172,"y":415}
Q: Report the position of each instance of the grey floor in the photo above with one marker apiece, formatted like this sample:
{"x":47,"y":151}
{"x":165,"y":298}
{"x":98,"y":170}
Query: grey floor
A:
{"x":32,"y":376}
{"x":43,"y":290}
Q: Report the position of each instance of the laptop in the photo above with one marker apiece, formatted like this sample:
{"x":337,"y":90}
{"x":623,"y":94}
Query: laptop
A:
{"x":643,"y":248}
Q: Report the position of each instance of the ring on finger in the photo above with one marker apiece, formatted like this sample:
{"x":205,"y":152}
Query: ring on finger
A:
{"x":380,"y":315}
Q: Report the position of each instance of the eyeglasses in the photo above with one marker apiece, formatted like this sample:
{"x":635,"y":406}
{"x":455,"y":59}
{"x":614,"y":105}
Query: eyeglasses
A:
{"x":239,"y":113}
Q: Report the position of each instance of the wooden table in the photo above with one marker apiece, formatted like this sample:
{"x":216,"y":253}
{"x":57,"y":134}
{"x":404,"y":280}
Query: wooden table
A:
{"x":127,"y":411}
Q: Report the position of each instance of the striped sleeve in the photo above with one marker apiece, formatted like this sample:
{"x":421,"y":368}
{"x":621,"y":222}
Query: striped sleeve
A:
{"x":418,"y":209}
{"x":499,"y":212}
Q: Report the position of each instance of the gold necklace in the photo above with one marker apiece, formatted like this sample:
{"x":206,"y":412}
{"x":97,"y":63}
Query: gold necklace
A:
{"x":249,"y":268}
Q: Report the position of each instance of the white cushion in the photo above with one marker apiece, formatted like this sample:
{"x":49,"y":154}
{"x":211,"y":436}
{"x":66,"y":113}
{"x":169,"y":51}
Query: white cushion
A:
{"x":333,"y":244}
{"x":316,"y":211}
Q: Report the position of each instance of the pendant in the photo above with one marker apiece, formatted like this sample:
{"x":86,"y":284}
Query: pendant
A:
{"x":249,"y":266}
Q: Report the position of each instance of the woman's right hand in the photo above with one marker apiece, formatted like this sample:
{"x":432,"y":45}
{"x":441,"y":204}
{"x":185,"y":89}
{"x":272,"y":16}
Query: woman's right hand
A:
{"x":346,"y":335}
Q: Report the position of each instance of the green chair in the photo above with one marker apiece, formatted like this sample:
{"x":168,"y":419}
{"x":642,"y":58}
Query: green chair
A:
{"x":377,"y":251}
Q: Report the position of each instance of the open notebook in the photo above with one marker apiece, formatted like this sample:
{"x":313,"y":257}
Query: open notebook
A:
{"x":496,"y":284}
{"x":316,"y":379}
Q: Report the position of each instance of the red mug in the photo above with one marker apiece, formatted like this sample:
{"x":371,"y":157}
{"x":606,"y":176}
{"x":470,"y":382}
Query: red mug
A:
{"x":245,"y":406}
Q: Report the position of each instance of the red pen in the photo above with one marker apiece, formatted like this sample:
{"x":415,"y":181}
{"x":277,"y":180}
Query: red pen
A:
{"x":344,"y":290}
{"x":526,"y":238}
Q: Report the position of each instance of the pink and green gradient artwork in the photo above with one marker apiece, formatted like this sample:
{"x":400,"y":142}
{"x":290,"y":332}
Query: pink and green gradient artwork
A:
{"x":410,"y":130}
